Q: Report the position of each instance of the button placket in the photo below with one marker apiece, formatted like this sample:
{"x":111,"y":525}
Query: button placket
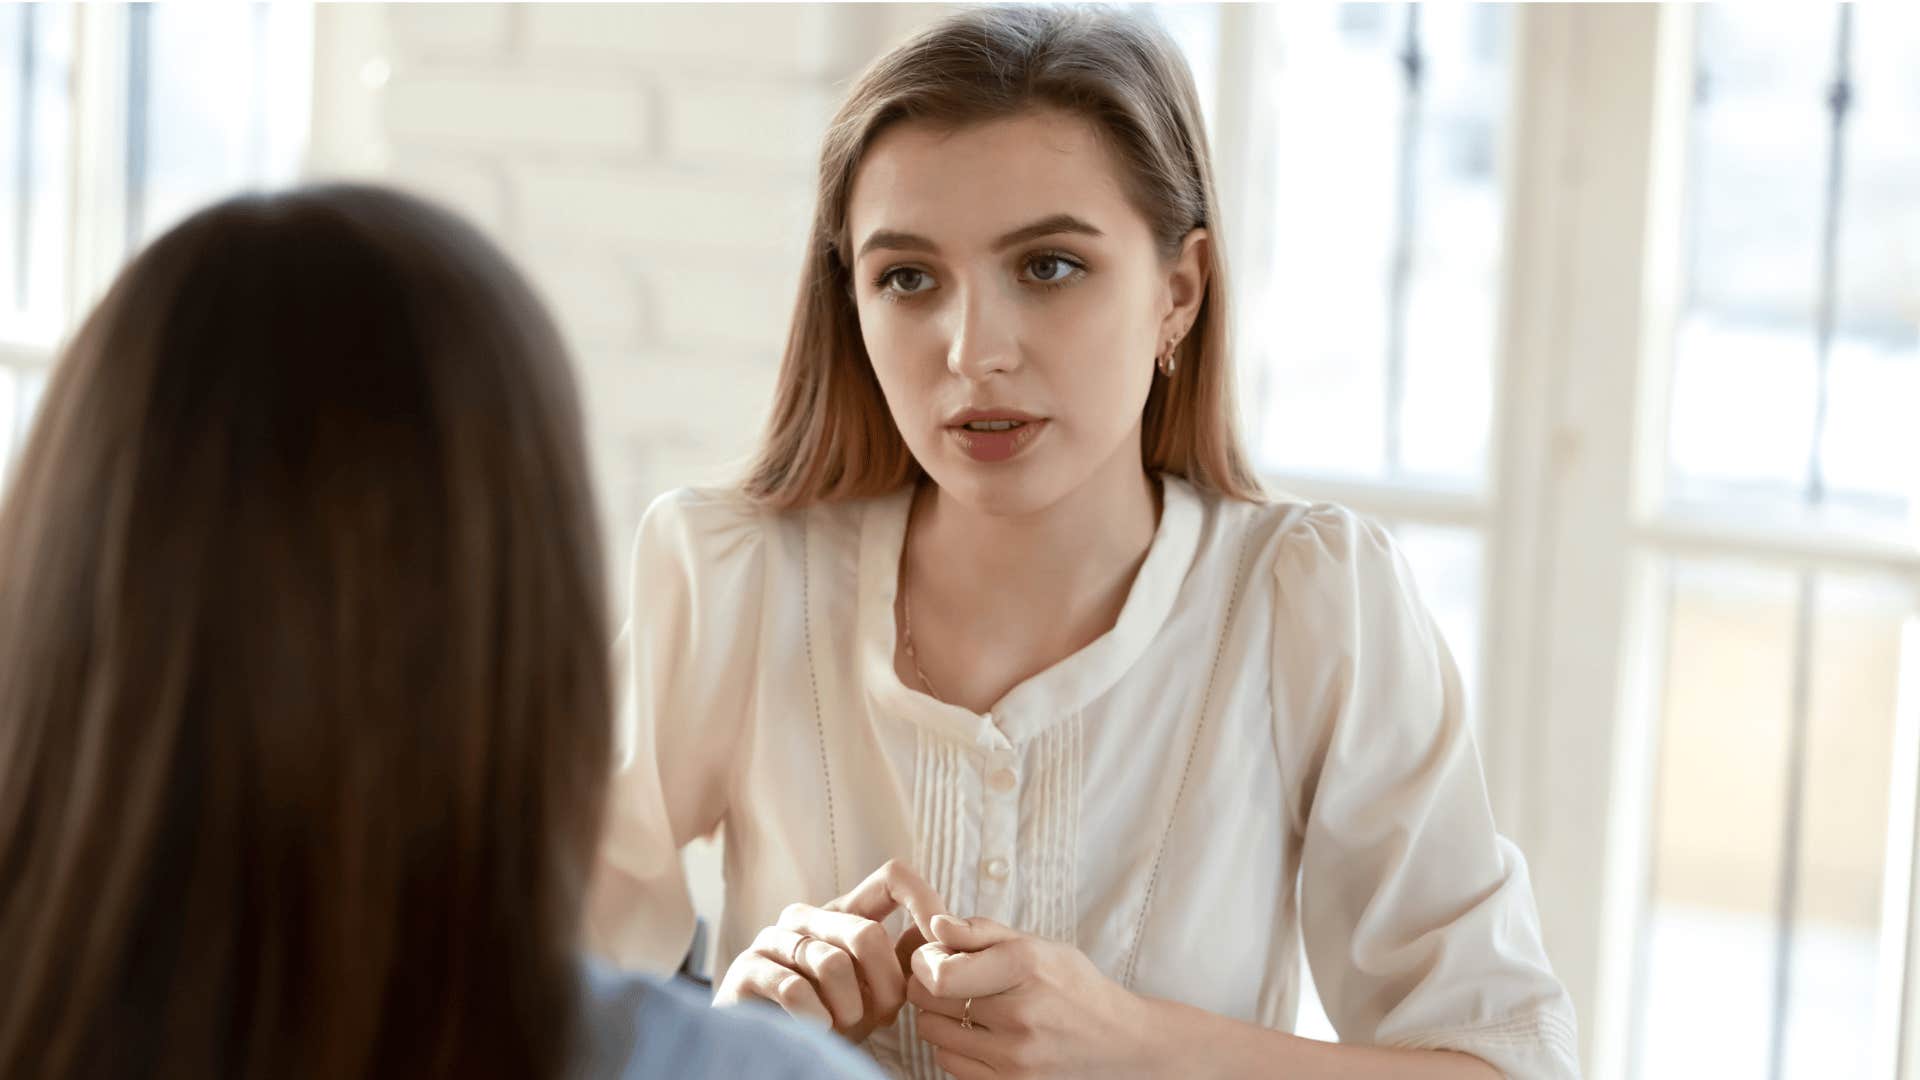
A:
{"x":999,"y":834}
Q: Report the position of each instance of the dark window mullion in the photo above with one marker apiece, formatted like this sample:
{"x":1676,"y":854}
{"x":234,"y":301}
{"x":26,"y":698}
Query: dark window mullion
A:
{"x":1839,"y":109}
{"x":1406,"y":216}
{"x":1839,"y":104}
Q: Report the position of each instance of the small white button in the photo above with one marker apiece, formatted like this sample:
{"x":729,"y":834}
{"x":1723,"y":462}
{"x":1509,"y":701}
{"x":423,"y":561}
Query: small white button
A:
{"x":997,"y":869}
{"x":1001,"y":780}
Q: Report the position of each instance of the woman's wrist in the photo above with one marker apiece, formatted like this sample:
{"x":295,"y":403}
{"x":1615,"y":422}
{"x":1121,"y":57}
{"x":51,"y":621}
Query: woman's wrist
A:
{"x":1192,"y":1043}
{"x":1188,"y":1042}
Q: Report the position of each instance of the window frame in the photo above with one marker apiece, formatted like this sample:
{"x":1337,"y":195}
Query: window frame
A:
{"x":96,"y":179}
{"x":1574,"y":603}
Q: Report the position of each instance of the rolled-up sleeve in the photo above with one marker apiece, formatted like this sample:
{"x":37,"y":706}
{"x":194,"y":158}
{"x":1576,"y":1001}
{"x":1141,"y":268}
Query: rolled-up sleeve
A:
{"x":1419,"y":920}
{"x":684,"y":661}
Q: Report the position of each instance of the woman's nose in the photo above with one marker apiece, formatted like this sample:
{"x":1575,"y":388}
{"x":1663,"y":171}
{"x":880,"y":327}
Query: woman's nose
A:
{"x":982,"y":338}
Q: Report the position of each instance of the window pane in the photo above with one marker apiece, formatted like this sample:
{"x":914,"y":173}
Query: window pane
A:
{"x":36,"y":64}
{"x":1857,"y":680}
{"x":1195,"y":28}
{"x":1872,"y":447}
{"x":9,"y":433}
{"x":1446,"y":565}
{"x":1750,"y":397}
{"x":1759,"y":163}
{"x":1714,"y":930}
{"x":29,"y":386}
{"x":225,"y":105}
{"x":1336,"y":103}
{"x":1368,"y":373}
{"x":1453,"y":305}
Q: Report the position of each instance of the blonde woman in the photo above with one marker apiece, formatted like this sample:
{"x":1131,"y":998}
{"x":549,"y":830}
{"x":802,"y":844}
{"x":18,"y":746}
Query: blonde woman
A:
{"x":1017,"y":699}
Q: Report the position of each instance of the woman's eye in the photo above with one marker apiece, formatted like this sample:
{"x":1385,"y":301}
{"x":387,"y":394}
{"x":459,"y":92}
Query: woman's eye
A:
{"x":906,"y":281}
{"x":1050,"y":269}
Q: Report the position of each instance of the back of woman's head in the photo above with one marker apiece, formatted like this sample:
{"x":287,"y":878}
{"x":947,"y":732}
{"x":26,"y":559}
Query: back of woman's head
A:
{"x":303,"y":689}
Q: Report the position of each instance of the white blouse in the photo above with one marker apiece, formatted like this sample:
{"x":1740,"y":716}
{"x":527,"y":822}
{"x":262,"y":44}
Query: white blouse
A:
{"x":1269,"y":746}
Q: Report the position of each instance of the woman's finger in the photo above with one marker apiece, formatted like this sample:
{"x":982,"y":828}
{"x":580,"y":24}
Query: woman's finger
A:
{"x":903,"y":950}
{"x":962,"y":1067}
{"x":895,"y":885}
{"x":952,"y":1008}
{"x":993,"y":970}
{"x":876,"y":970}
{"x":830,"y":970}
{"x":946,"y":1034}
{"x":771,"y":981}
{"x":971,"y":935}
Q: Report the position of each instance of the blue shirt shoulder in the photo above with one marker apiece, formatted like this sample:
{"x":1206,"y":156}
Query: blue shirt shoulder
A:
{"x":636,"y":1027}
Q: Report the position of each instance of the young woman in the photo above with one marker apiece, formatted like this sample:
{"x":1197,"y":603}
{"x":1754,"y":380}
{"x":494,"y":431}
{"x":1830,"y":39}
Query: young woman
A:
{"x":1002,"y":611}
{"x":304,"y":694}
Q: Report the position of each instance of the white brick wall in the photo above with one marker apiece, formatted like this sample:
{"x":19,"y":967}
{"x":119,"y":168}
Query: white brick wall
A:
{"x":649,"y":166}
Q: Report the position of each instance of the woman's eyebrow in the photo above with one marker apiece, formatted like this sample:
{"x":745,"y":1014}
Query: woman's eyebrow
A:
{"x":894,"y":240}
{"x":1051,"y":225}
{"x":1047,"y":226}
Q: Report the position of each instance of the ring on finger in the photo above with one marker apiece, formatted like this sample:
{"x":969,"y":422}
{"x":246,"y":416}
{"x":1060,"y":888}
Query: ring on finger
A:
{"x":799,"y":945}
{"x":966,"y":1016}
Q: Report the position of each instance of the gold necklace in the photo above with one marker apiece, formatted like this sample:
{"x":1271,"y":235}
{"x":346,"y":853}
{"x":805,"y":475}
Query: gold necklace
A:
{"x":906,"y":607}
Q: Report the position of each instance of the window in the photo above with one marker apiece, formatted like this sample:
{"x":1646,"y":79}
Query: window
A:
{"x":1382,"y":266}
{"x":115,"y":121}
{"x":1369,"y":145}
{"x":1610,"y":313}
{"x":1369,"y":156}
{"x":1770,"y":943}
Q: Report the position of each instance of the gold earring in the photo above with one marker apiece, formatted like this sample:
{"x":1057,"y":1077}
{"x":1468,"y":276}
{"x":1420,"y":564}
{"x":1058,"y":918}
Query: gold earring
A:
{"x":1167,"y":360}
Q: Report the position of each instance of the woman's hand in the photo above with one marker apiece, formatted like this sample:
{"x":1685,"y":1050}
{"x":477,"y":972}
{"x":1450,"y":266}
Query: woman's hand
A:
{"x":1039,"y":1008}
{"x":835,"y":965}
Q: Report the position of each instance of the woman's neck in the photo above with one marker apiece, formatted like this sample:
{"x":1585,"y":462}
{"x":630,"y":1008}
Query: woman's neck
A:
{"x":1097,"y":533}
{"x":997,"y":599}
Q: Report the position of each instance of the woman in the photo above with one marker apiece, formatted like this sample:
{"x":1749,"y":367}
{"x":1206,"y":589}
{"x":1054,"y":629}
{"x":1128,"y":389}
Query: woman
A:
{"x":1002,"y":610}
{"x":303,"y":683}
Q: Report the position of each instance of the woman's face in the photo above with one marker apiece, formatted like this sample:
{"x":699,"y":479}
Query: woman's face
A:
{"x":1013,"y":301}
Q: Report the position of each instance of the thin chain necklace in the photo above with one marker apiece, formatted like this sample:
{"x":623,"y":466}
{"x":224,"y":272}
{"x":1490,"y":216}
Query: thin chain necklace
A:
{"x":906,"y":622}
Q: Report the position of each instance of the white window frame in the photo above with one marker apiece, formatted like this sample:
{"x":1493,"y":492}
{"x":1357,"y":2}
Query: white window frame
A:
{"x":1573,"y":615}
{"x":96,"y":228}
{"x":96,"y":178}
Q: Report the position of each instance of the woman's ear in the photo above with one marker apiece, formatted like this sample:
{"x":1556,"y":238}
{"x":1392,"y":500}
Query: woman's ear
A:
{"x":1186,"y":285}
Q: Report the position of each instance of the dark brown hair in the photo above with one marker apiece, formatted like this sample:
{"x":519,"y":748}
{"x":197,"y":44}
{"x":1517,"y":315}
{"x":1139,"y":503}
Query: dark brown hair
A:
{"x":304,"y":703}
{"x":830,"y":435}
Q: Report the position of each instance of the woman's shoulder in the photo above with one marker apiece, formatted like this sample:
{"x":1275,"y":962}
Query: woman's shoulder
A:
{"x":1292,"y":539}
{"x":1320,"y":568}
{"x":707,"y":525}
{"x":638,"y":1027}
{"x":705,"y":517}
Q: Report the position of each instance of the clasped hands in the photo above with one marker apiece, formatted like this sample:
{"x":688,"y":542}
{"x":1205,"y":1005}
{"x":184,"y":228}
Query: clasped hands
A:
{"x":993,"y":1002}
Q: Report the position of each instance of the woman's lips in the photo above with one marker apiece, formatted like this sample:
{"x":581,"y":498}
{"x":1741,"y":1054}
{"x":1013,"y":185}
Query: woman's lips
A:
{"x":993,"y":447}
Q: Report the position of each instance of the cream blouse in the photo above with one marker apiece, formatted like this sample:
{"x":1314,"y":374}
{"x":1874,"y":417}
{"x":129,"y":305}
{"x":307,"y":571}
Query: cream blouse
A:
{"x":1269,"y":746}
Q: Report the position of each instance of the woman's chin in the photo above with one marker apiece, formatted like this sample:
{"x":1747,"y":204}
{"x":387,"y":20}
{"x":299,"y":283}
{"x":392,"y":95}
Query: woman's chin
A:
{"x":1007,"y":489}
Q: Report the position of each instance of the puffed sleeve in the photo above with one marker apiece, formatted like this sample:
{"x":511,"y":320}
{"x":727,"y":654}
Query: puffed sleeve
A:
{"x":1419,"y":921}
{"x":684,"y":663}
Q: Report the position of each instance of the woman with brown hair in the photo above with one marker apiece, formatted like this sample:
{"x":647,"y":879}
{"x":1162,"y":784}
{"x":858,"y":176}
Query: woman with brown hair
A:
{"x":304,"y":699}
{"x":1002,"y":610}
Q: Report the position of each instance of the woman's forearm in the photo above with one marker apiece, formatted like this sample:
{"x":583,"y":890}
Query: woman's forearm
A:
{"x":1200,"y":1044}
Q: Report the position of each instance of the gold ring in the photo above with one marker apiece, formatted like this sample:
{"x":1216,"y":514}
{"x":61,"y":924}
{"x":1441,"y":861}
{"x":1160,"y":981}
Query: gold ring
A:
{"x":793,"y":954}
{"x":966,"y":1016}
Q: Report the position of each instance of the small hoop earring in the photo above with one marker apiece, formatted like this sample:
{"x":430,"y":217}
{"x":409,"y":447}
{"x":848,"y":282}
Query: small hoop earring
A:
{"x":1168,"y":362}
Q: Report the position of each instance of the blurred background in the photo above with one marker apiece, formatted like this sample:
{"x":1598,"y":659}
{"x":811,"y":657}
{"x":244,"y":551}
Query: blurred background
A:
{"x":1612,"y":312}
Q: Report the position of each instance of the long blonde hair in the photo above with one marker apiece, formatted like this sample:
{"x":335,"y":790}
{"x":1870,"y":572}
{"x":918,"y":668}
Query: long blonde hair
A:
{"x":830,"y":435}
